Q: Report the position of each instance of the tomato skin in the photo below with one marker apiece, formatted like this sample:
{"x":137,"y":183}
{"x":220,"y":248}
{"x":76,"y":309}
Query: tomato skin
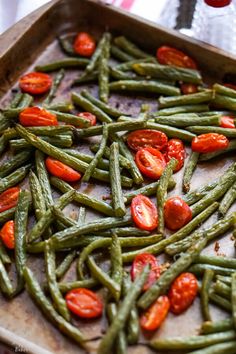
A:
{"x":150,"y":162}
{"x":177,"y":213}
{"x":84,"y":303}
{"x":37,"y":117}
{"x":9,"y":198}
{"x":35,"y":83}
{"x":139,"y":263}
{"x":182,"y":292}
{"x":155,"y":314}
{"x":227,"y":122}
{"x":175,"y":148}
{"x":84,"y":44}
{"x":62,"y":171}
{"x":187,"y":89}
{"x":232,"y":86}
{"x":7,"y":234}
{"x":171,"y":56}
{"x":144,"y":138}
{"x":144,"y":213}
{"x":209,"y":142}
{"x":89,"y":116}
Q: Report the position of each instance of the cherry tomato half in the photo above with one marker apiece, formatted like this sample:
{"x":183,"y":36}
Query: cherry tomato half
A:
{"x":227,"y":122}
{"x":9,"y":198}
{"x":175,"y":148}
{"x":144,"y":138}
{"x":177,"y":213}
{"x":89,"y":116}
{"x":232,"y":86}
{"x":140,"y":261}
{"x":144,"y":213}
{"x":84,"y":44}
{"x":35,"y":83}
{"x":151,"y":162}
{"x":155,"y":314}
{"x":209,"y":142}
{"x":182,"y":292}
{"x":62,"y":171}
{"x":171,"y":56}
{"x":7,"y":234}
{"x":37,"y":117}
{"x":84,"y":303}
{"x":187,"y":89}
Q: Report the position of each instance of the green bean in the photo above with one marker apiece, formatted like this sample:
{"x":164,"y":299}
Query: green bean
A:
{"x":200,"y":268}
{"x":103,"y":164}
{"x":206,"y":283}
{"x":123,"y":313}
{"x":14,"y":162}
{"x":3,"y":254}
{"x":168,"y":72}
{"x":221,"y":302}
{"x":7,"y":215}
{"x":14,"y":178}
{"x":130,"y":48}
{"x":189,"y":169}
{"x":120,"y":75}
{"x":82,"y":198}
{"x":43,"y":178}
{"x":193,"y":342}
{"x":224,"y":102}
{"x":224,"y":279}
{"x":58,"y":300}
{"x":119,"y":54}
{"x":65,"y":107}
{"x":227,"y":200}
{"x":64,"y":220}
{"x":220,"y":261}
{"x":222,"y":348}
{"x":233,"y":298}
{"x":228,"y":132}
{"x":86,"y":283}
{"x":179,"y":121}
{"x":59,"y":141}
{"x":197,"y":194}
{"x":56,"y":83}
{"x":116,"y":189}
{"x":124,"y":162}
{"x":127,"y":125}
{"x":223,"y":90}
{"x":20,"y":232}
{"x":222,"y":290}
{"x":63,"y":64}
{"x":5,"y":282}
{"x":4,"y":123}
{"x":37,"y":195}
{"x":72,"y":119}
{"x":16,"y":100}
{"x":11,"y":133}
{"x":84,"y":79}
{"x":172,"y":132}
{"x":211,"y":155}
{"x":103,"y":68}
{"x":38,"y":296}
{"x":65,"y":264}
{"x":25,"y":101}
{"x":144,"y":86}
{"x":219,"y":326}
{"x":120,"y":344}
{"x":66,"y":45}
{"x":183,"y":109}
{"x":116,"y":263}
{"x":81,"y":215}
{"x":129,"y":64}
{"x":193,"y":98}
{"x":162,"y":192}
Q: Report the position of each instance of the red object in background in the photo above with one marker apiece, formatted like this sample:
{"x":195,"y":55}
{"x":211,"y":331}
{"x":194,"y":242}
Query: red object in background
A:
{"x":171,"y":56}
{"x":84,"y":303}
{"x":37,"y":117}
{"x":209,"y":142}
{"x":187,"y":89}
{"x":150,"y":162}
{"x":139,"y":262}
{"x":62,"y":171}
{"x":144,"y":213}
{"x":35,"y":83}
{"x":217,"y":3}
{"x":9,"y":198}
{"x":155,"y":314}
{"x":232,"y":86}
{"x":177,"y":213}
{"x":84,"y":44}
{"x":144,"y":138}
{"x":175,"y":148}
{"x":89,"y":116}
{"x":7,"y":234}
{"x":227,"y":122}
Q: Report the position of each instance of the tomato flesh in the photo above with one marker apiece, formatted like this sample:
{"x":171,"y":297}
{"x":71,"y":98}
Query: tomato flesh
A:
{"x":84,"y":303}
{"x":7,"y":234}
{"x":35,"y":83}
{"x":140,"y":261}
{"x":171,"y":56}
{"x":177,"y":213}
{"x":9,"y":198}
{"x":182,"y":292}
{"x":155,"y":314}
{"x":84,"y":44}
{"x":144,"y":138}
{"x":150,"y":162}
{"x":175,"y":148}
{"x":144,"y":213}
{"x":209,"y":142}
{"x":37,"y":117}
{"x":89,"y":116}
{"x":187,"y":89}
{"x":62,"y":171}
{"x":227,"y":122}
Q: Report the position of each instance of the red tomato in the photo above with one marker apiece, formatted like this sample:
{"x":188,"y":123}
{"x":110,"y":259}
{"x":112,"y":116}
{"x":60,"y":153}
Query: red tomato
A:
{"x":218,"y":3}
{"x":62,"y":171}
{"x":175,"y":148}
{"x":144,"y":213}
{"x":84,"y":303}
{"x":182,"y":292}
{"x":35,"y":83}
{"x":84,"y":44}
{"x":177,"y":213}
{"x":139,"y":263}
{"x":9,"y":198}
{"x":155,"y":314}
{"x":37,"y":117}
{"x":187,"y":89}
{"x":227,"y":122}
{"x":232,"y":86}
{"x":144,"y":138}
{"x":171,"y":56}
{"x":209,"y":142}
{"x":7,"y":234}
{"x":151,"y":162}
{"x":89,"y":116}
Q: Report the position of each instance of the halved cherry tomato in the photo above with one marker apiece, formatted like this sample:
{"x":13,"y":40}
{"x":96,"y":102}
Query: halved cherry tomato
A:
{"x":84,"y":44}
{"x":209,"y":142}
{"x":9,"y":198}
{"x":89,"y":116}
{"x":171,"y":56}
{"x":144,"y":138}
{"x":151,"y":162}
{"x":35,"y":83}
{"x":62,"y":171}
{"x":7,"y":234}
{"x":84,"y":303}
{"x":232,"y":86}
{"x":175,"y":148}
{"x":177,"y":213}
{"x":37,"y":117}
{"x":227,"y":122}
{"x":182,"y":292}
{"x":155,"y":314}
{"x":144,"y":213}
{"x":140,"y":261}
{"x":187,"y":89}
{"x":218,"y":3}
